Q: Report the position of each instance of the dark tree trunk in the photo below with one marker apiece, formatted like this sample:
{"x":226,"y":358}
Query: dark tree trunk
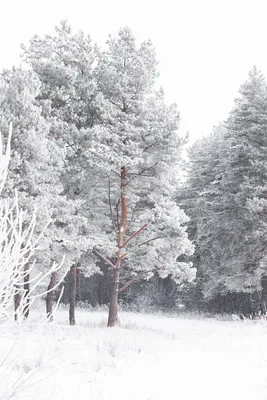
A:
{"x":73,"y":273}
{"x":26,"y":308}
{"x":114,"y":294}
{"x":49,"y":297}
{"x":78,"y":294}
{"x":17,"y":301}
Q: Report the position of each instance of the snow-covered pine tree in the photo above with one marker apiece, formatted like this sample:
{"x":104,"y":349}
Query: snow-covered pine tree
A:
{"x":245,"y":183}
{"x":63,"y":63}
{"x":229,"y":203}
{"x":35,"y":166}
{"x":117,"y":133}
{"x":199,"y":197}
{"x":136,"y":153}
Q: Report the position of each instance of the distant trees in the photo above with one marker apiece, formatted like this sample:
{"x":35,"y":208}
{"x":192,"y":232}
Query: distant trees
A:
{"x":227,"y":184}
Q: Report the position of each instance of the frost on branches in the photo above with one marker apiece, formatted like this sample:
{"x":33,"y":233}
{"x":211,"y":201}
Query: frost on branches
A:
{"x":17,"y":247}
{"x":226,"y":200}
{"x":122,"y":153}
{"x":135,"y":151}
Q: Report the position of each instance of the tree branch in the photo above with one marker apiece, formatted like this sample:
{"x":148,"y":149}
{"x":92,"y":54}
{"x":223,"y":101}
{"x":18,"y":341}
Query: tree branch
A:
{"x":148,"y":168}
{"x":149,"y":240}
{"x":110,"y":208}
{"x":123,"y":256}
{"x":134,"y":279}
{"x":117,"y":211}
{"x":116,"y":105}
{"x":116,"y":173}
{"x":151,"y":145}
{"x":133,"y":236}
{"x":141,"y":173}
{"x":104,"y":258}
{"x":132,"y":217}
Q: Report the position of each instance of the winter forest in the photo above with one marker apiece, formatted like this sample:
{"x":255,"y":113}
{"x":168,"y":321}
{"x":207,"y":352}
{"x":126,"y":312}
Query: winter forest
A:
{"x":106,"y":205}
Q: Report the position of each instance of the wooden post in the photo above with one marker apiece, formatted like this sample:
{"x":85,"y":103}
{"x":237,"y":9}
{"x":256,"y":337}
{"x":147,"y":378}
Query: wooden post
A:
{"x":73,"y":273}
{"x":49,"y":297}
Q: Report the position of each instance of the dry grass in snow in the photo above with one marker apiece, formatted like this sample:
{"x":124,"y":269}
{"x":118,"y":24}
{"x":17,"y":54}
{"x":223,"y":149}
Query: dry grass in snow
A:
{"x":147,"y":357}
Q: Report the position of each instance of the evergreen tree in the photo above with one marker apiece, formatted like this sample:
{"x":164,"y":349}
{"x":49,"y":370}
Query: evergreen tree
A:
{"x":201,"y":197}
{"x":35,"y":166}
{"x":122,"y":152}
{"x":229,"y":204}
{"x":245,"y":184}
{"x":63,"y":63}
{"x":136,"y":150}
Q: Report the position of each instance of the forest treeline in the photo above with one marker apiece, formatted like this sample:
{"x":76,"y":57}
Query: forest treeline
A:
{"x":225,"y":197}
{"x":97,"y":151}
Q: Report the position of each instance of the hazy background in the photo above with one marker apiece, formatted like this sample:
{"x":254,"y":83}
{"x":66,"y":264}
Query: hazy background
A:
{"x":205,"y":47}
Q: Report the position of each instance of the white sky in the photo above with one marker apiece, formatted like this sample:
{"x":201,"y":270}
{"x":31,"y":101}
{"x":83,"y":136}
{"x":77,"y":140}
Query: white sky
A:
{"x":205,"y":47}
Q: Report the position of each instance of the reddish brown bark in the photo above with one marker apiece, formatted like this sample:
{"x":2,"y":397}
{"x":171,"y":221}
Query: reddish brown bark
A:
{"x":73,"y":274}
{"x":117,"y":264}
{"x":123,"y":204}
{"x":114,"y":292}
{"x":113,"y":303}
{"x":49,"y":297}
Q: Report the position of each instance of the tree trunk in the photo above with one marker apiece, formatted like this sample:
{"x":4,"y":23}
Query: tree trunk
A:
{"x":73,"y":274}
{"x":26,"y":308}
{"x":261,"y":299}
{"x":114,"y":292}
{"x":17,"y":301}
{"x":49,"y":297}
{"x":78,"y":294}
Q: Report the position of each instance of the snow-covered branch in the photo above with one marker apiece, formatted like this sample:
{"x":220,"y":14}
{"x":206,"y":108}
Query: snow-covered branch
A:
{"x":17,"y":248}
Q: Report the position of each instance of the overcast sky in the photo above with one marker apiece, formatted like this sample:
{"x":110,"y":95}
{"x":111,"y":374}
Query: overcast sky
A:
{"x":205,"y":47}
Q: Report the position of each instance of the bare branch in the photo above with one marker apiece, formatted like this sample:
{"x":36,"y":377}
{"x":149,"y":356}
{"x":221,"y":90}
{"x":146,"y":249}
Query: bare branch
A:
{"x":110,"y":208}
{"x":123,"y":256}
{"x":134,"y":279}
{"x":116,"y":105}
{"x":147,"y":169}
{"x":104,"y":259}
{"x":141,"y":173}
{"x":133,"y":236}
{"x":72,"y":145}
{"x":151,"y":145}
{"x":149,"y":240}
{"x":132,"y":217}
{"x":117,"y":211}
{"x":116,"y":173}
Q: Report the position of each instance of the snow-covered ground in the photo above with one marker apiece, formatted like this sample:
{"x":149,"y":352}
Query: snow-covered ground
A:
{"x":147,"y":357}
